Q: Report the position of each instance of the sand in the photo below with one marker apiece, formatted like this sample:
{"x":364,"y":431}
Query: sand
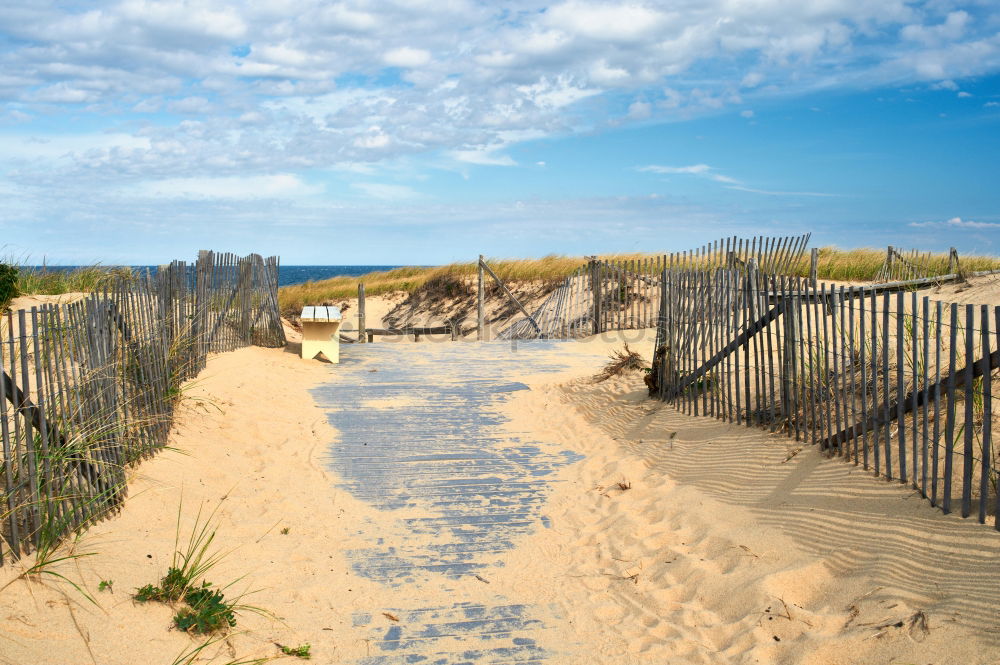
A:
{"x":391,"y":310}
{"x":722,"y":545}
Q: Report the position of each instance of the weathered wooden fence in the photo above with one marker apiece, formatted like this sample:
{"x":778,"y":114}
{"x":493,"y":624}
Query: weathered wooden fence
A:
{"x":617,"y":294}
{"x":89,"y":387}
{"x":898,"y":383}
{"x":913,"y":264}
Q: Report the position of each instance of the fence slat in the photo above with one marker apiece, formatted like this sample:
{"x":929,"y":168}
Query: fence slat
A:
{"x":949,"y":427}
{"x":968,"y":453}
{"x":986,"y":451}
{"x":900,"y":385}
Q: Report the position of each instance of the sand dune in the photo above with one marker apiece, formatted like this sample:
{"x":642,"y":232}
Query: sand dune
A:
{"x":721,"y":545}
{"x":765,"y":552}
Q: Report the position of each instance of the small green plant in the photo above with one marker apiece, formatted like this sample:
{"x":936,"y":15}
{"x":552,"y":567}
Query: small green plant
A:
{"x":205,"y":608}
{"x":301,"y":651}
{"x":187,"y":566}
{"x":148,"y":593}
{"x":284,"y":532}
{"x":207,"y":611}
{"x":106,"y":585}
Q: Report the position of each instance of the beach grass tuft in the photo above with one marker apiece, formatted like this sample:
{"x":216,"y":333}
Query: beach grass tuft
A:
{"x":302,"y":651}
{"x":205,"y":608}
{"x":54,"y":282}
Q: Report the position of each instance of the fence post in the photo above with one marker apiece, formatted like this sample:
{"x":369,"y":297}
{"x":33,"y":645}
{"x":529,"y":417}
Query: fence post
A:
{"x":198,"y":323}
{"x":595,"y":289}
{"x":789,"y":340}
{"x":952,"y":261}
{"x":813,"y":267}
{"x":480,"y":297}
{"x":361,"y":312}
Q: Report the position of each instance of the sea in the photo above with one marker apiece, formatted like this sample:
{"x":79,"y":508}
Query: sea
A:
{"x":287,"y":275}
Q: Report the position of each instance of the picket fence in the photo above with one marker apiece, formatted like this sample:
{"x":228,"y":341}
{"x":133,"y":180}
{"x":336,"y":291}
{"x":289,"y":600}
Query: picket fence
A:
{"x":90,"y":386}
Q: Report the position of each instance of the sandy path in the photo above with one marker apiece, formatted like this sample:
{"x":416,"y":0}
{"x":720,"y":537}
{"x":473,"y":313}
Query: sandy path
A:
{"x":422,"y":440}
{"x":486,"y":525}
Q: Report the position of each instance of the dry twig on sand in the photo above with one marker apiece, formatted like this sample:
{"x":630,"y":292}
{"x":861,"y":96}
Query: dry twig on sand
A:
{"x":625,"y":360}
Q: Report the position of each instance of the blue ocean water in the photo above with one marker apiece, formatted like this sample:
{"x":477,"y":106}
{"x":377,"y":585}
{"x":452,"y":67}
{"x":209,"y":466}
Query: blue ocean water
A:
{"x":286,"y":274}
{"x":299,"y":274}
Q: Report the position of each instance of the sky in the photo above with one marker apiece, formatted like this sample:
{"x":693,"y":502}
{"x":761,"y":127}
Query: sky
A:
{"x":413,"y":132}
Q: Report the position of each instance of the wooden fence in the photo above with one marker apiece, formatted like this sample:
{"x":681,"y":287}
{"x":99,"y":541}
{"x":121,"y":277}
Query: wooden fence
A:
{"x":896,"y":382}
{"x":913,"y":264}
{"x":616,"y":294}
{"x":89,"y":387}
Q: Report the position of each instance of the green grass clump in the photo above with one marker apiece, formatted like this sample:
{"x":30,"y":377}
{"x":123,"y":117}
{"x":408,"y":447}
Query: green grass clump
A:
{"x":207,"y":611}
{"x":8,"y":285}
{"x":172,"y":587}
{"x":205,"y":607}
{"x":302,"y":651}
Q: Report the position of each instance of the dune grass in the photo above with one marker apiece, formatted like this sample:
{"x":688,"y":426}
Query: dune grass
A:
{"x":293,"y":298}
{"x":861,"y":265}
{"x":850,"y":265}
{"x":46,"y":281}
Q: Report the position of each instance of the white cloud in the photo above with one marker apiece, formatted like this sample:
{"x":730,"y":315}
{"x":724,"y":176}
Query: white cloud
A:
{"x":252,"y":187}
{"x":951,"y":28}
{"x":386,"y":192}
{"x":957,"y":223}
{"x":286,"y":86}
{"x":747,"y":113}
{"x":185,"y":17}
{"x":190,"y":105}
{"x":62,"y":93}
{"x":555,"y":94}
{"x":768,"y":192}
{"x":640,"y":110}
{"x":407,"y":57}
{"x":945,"y":85}
{"x":703,"y":170}
{"x":706,"y":171}
{"x":604,"y":74}
{"x":694,"y":169}
{"x":486,"y":156}
{"x":49,"y":148}
{"x":605,"y":21}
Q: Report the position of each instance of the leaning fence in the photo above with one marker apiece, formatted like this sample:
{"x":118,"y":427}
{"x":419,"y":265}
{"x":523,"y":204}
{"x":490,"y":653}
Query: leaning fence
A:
{"x":903,"y":385}
{"x":89,"y":387}
{"x":624,"y":294}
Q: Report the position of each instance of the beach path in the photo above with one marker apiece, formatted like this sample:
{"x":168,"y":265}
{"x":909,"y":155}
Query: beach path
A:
{"x":422,"y":440}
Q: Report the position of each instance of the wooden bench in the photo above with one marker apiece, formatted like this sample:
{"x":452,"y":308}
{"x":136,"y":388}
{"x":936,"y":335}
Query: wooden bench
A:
{"x":321,"y":332}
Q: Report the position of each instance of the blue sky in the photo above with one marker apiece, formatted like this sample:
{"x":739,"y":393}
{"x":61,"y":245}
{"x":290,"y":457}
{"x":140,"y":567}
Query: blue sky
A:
{"x":425,"y":132}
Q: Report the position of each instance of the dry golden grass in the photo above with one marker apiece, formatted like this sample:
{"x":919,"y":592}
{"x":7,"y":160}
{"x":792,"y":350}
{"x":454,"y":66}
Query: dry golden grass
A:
{"x":408,"y":279}
{"x":861,"y":265}
{"x":856,"y":265}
